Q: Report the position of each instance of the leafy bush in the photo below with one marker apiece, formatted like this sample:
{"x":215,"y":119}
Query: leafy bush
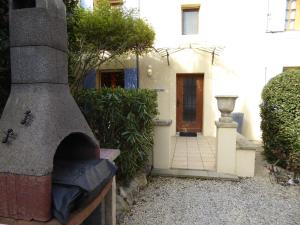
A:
{"x":102,"y":35}
{"x":280,"y":113}
{"x":122,"y":119}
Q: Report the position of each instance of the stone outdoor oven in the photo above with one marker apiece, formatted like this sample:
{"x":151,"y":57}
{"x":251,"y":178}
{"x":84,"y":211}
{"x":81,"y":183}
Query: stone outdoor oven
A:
{"x":40,"y":112}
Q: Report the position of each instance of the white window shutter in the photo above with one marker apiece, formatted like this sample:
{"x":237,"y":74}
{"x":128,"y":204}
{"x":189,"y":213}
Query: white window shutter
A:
{"x":276,"y":15}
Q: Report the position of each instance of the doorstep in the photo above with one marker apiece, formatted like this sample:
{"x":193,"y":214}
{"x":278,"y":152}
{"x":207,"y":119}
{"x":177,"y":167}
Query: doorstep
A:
{"x":205,"y":174}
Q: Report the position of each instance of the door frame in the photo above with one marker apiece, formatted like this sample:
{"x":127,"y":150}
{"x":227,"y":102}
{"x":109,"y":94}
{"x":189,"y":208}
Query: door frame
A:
{"x":201,"y":75}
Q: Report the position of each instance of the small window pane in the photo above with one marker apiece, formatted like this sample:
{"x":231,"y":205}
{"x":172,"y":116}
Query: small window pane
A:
{"x":287,"y":15}
{"x":292,"y":25}
{"x":293,"y":14}
{"x":190,"y":21}
{"x":293,"y":5}
{"x":286,"y":24}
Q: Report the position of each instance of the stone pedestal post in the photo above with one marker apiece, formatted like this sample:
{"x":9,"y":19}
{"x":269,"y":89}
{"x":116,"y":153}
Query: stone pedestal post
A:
{"x":162,"y":144}
{"x":226,"y":147}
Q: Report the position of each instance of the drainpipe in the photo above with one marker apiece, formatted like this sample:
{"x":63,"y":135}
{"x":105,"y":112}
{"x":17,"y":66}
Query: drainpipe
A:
{"x":137,"y":55}
{"x":137,"y":69}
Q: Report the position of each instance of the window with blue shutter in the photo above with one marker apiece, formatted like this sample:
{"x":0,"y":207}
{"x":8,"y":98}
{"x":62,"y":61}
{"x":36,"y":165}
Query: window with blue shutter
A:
{"x":130,"y":78}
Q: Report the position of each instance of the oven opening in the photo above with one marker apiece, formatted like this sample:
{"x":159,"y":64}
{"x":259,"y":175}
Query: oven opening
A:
{"x":77,"y":146}
{"x":21,"y":4}
{"x":78,"y":175}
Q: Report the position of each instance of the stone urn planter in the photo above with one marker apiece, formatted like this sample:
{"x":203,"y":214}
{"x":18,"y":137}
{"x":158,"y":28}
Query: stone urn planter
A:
{"x":226,"y":105}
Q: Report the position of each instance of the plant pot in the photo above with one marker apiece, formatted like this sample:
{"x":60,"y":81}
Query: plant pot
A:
{"x":226,"y":105}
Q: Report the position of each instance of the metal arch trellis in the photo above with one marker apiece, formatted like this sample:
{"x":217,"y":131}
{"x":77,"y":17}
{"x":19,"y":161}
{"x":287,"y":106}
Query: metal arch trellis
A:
{"x":213,"y":50}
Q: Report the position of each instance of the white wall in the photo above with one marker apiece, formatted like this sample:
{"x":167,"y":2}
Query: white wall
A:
{"x":251,"y":56}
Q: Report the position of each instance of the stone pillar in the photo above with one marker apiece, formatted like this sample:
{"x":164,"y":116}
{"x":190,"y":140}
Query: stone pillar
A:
{"x":226,"y":147}
{"x":162,"y":144}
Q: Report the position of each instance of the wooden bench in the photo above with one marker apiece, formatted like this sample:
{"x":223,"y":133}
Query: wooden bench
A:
{"x":107,"y":200}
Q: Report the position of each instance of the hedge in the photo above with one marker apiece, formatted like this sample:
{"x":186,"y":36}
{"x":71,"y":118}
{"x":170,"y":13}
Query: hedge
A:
{"x":280,"y":113}
{"x":122,"y":119}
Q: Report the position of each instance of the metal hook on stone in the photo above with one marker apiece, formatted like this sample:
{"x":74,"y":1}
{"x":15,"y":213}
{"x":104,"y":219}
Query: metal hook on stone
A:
{"x":27,"y":119}
{"x":9,"y":134}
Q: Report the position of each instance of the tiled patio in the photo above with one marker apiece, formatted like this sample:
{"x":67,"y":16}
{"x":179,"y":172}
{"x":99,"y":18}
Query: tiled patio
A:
{"x":195,"y":153}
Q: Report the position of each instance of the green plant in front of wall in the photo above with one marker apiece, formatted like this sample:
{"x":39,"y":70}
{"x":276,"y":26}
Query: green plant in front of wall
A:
{"x":122,"y":119}
{"x":103,"y":34}
{"x":280,"y":113}
{"x":72,"y":9}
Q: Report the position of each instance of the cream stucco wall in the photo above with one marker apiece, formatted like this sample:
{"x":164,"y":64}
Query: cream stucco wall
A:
{"x":250,"y":56}
{"x":249,"y":59}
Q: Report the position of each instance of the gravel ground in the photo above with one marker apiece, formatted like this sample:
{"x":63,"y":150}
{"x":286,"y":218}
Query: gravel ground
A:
{"x":175,"y":201}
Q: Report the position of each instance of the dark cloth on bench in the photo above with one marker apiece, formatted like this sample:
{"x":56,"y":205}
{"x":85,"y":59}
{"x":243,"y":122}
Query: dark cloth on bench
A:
{"x":76,"y":183}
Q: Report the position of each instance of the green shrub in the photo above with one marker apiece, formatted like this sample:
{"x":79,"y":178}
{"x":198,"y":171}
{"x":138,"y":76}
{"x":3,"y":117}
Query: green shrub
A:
{"x":122,"y":119}
{"x":102,"y":35}
{"x":280,"y":113}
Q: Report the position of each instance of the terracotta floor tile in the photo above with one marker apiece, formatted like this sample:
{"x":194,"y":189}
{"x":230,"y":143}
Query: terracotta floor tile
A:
{"x":194,"y":153}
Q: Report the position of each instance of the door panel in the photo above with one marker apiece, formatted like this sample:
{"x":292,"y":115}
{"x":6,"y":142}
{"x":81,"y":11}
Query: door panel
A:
{"x":189,"y":102}
{"x":189,"y":99}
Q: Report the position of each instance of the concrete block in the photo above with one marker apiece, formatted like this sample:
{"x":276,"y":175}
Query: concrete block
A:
{"x":162,"y":147}
{"x":245,"y":163}
{"x":245,"y":157}
{"x":47,"y":30}
{"x":226,"y":147}
{"x":38,"y":64}
{"x":55,"y":115}
{"x":244,"y":144}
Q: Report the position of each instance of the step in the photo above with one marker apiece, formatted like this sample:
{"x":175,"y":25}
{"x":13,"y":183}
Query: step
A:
{"x":205,"y":174}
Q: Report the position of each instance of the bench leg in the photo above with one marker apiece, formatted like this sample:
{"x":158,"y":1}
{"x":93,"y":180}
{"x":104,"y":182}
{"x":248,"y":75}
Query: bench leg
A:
{"x":110,"y":205}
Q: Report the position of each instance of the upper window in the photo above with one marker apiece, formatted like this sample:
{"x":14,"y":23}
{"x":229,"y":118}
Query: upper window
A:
{"x":292,"y":19}
{"x":190,"y":20}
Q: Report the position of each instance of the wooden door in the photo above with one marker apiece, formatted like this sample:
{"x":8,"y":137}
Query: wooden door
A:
{"x":189,"y":112}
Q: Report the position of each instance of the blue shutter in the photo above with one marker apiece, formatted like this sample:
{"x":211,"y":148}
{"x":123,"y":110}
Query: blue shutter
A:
{"x":130,"y":78}
{"x":90,"y":80}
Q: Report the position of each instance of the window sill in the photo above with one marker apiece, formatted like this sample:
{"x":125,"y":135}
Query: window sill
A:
{"x":189,"y":35}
